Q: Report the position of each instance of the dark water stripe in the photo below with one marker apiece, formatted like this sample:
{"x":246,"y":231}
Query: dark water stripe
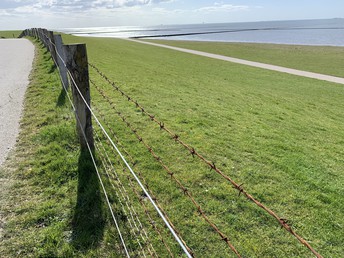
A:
{"x":228,"y":31}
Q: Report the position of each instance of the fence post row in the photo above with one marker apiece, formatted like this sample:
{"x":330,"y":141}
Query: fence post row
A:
{"x":72,"y":58}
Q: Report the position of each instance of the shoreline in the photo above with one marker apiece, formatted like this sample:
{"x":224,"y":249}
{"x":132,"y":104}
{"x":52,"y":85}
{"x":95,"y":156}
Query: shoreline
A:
{"x":168,"y":38}
{"x":323,"y":32}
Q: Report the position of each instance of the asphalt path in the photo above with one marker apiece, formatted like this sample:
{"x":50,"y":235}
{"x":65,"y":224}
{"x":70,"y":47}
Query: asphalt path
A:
{"x":317,"y":76}
{"x":16,"y":57}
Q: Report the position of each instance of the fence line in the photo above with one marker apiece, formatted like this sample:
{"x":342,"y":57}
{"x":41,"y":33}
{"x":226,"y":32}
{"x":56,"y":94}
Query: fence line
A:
{"x":88,"y":143}
{"x":84,"y":126}
{"x":239,"y":187}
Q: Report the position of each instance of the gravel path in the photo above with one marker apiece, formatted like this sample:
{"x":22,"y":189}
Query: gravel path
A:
{"x":317,"y":76}
{"x":16,"y":57}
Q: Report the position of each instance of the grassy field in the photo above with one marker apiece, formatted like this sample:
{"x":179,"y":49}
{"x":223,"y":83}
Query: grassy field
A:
{"x":280,"y":135}
{"x":318,"y":59}
{"x":10,"y":34}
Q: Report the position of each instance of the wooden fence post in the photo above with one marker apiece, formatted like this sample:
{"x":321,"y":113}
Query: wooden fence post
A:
{"x":51,"y":42}
{"x":40,"y":33}
{"x":61,"y":63}
{"x":77,"y":64}
{"x":45,"y":40}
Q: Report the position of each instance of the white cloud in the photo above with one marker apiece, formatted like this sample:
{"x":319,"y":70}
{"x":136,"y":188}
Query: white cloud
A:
{"x":70,"y":5}
{"x":164,"y":11}
{"x":220,"y":7}
{"x":84,"y":13}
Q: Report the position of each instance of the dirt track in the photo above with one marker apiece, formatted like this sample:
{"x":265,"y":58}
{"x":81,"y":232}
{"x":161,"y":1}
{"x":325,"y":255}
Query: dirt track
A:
{"x":16,"y":57}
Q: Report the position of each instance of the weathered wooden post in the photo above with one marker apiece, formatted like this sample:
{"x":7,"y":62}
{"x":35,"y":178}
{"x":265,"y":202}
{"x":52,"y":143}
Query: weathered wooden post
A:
{"x":52,"y":48}
{"x":45,"y":40}
{"x":77,"y":65}
{"x":42,"y":36}
{"x":40,"y":32}
{"x":61,"y":60}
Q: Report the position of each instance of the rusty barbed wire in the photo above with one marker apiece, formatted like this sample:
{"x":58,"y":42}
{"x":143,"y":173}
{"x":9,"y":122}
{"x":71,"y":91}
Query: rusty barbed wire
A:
{"x":239,"y":187}
{"x":134,"y":163}
{"x":169,"y":172}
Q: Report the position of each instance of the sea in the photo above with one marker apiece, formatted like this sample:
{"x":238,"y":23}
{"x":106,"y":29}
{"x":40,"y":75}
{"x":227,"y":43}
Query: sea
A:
{"x":326,"y":32}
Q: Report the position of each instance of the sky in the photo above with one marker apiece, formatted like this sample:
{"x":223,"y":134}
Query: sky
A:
{"x":57,"y":14}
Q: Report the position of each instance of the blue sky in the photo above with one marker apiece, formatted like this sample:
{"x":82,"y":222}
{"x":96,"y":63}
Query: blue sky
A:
{"x":52,"y":14}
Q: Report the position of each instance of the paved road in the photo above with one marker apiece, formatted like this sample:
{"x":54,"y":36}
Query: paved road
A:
{"x":16,"y":57}
{"x":251,"y":63}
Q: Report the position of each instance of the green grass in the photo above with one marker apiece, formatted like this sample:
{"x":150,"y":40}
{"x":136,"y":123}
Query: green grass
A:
{"x":10,"y":34}
{"x":280,"y":135}
{"x":51,"y":205}
{"x":318,"y":59}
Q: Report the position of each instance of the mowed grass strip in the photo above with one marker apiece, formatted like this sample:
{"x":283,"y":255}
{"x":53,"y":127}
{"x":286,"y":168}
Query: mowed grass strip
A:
{"x":280,"y":135}
{"x":319,"y":59}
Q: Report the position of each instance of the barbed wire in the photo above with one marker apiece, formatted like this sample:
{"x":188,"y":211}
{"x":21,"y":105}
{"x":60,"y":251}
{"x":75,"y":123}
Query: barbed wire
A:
{"x":134,"y":163}
{"x":169,"y":172}
{"x":239,"y":187}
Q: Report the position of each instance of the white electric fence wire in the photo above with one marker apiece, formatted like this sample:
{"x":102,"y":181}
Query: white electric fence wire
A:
{"x":134,"y":227}
{"x":100,"y":180}
{"x":125,"y":196}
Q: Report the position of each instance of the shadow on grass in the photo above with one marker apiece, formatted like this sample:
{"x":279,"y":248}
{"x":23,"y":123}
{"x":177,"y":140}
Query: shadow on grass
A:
{"x":89,"y":217}
{"x":52,"y":69}
{"x":61,"y":101}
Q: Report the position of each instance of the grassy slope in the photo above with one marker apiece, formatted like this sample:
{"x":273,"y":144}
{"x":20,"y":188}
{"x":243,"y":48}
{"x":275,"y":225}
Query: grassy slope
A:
{"x":319,"y":59}
{"x":280,"y":135}
{"x":51,"y":205}
{"x":10,"y":34}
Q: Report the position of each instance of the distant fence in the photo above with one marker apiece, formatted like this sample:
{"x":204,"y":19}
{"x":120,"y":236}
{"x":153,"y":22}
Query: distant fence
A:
{"x":72,"y":63}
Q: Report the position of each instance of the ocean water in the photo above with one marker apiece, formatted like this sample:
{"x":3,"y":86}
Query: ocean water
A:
{"x":328,"y":32}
